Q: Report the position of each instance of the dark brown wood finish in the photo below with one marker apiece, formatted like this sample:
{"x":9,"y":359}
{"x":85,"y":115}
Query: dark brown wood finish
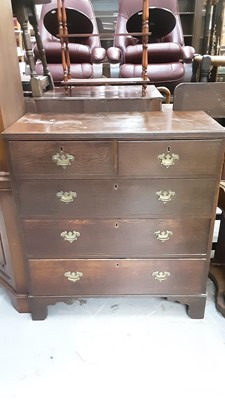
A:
{"x":133,"y":201}
{"x":210,"y":98}
{"x":190,"y":158}
{"x":98,"y":158}
{"x":38,"y":304}
{"x":115,"y":198}
{"x":12,"y":107}
{"x":116,"y":277}
{"x":109,"y":238}
{"x":155,"y":125}
{"x":199,"y":96}
{"x":95,"y":99}
{"x":87,"y":158}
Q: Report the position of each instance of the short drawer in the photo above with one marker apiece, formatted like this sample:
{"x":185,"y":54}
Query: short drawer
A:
{"x":116,"y":238}
{"x":62,"y":158}
{"x":117,"y":277}
{"x":116,"y":198}
{"x":169,"y":158}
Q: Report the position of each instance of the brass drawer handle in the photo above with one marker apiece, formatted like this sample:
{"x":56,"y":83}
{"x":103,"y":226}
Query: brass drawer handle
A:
{"x":73,"y":276}
{"x":63,"y":160}
{"x":70,"y":236}
{"x":161,"y":276}
{"x":163,"y":236}
{"x":66,"y":197}
{"x":165,"y":196}
{"x":168,"y":159}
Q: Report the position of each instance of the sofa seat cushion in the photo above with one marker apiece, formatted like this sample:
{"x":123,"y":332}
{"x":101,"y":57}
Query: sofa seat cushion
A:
{"x":78,"y":71}
{"x":78,"y":52}
{"x":157,"y":53}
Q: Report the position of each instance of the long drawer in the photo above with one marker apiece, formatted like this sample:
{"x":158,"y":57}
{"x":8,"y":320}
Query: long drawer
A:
{"x":169,"y":158}
{"x":116,"y":198}
{"x":117,"y":277}
{"x":62,"y":158}
{"x":113,"y":238}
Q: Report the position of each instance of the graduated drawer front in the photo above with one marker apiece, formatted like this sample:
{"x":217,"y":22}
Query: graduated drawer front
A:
{"x":89,"y":157}
{"x":189,"y":157}
{"x":116,"y":238}
{"x":116,"y":198}
{"x":117,"y":277}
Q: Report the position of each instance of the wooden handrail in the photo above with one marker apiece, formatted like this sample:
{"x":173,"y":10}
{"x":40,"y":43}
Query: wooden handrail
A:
{"x":103,"y":34}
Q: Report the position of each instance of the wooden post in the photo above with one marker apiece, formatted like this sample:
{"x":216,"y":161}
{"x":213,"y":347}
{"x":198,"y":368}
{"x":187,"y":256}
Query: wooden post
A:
{"x":145,"y":32}
{"x":62,"y":42}
{"x":66,"y":40}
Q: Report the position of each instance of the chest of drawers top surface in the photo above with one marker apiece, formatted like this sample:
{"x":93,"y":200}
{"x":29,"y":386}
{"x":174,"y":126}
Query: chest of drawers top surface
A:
{"x":148,"y":125}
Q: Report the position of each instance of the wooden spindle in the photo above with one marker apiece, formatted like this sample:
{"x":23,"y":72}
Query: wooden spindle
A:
{"x":60,"y":22}
{"x":145,"y":32}
{"x":66,"y":40}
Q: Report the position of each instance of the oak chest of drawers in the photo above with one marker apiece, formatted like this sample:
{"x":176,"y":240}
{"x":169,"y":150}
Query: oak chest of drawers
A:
{"x":116,"y":204}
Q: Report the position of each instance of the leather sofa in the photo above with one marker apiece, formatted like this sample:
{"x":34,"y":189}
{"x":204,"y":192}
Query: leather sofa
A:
{"x":84,"y":52}
{"x":167,"y":56}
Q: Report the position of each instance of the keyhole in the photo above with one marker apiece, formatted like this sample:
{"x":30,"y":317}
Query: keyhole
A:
{"x":115,"y":186}
{"x":61,"y":149}
{"x":168,"y":149}
{"x":116,"y":225}
{"x":117,"y":265}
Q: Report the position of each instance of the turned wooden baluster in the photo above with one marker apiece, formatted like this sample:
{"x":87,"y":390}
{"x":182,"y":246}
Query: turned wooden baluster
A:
{"x":66,"y":40}
{"x":212,"y":41}
{"x":145,"y":32}
{"x":21,"y":13}
{"x":62,"y":42}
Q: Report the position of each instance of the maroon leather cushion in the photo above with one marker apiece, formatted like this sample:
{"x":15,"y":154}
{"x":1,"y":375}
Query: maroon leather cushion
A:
{"x":157,"y":53}
{"x":167,"y":72}
{"x":78,"y":71}
{"x":78,"y":52}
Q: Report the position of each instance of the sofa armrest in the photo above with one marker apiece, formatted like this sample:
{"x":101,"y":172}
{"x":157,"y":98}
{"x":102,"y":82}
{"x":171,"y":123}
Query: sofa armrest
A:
{"x":98,"y":55}
{"x":188,"y":53}
{"x":114,"y":55}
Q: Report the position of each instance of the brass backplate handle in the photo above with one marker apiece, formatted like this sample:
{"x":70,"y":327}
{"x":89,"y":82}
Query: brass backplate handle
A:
{"x":73,"y":276}
{"x":161,"y":276}
{"x":66,"y":197}
{"x":63,"y":159}
{"x":165,"y":195}
{"x":168,"y":159}
{"x":70,"y":236}
{"x":163,"y":236}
